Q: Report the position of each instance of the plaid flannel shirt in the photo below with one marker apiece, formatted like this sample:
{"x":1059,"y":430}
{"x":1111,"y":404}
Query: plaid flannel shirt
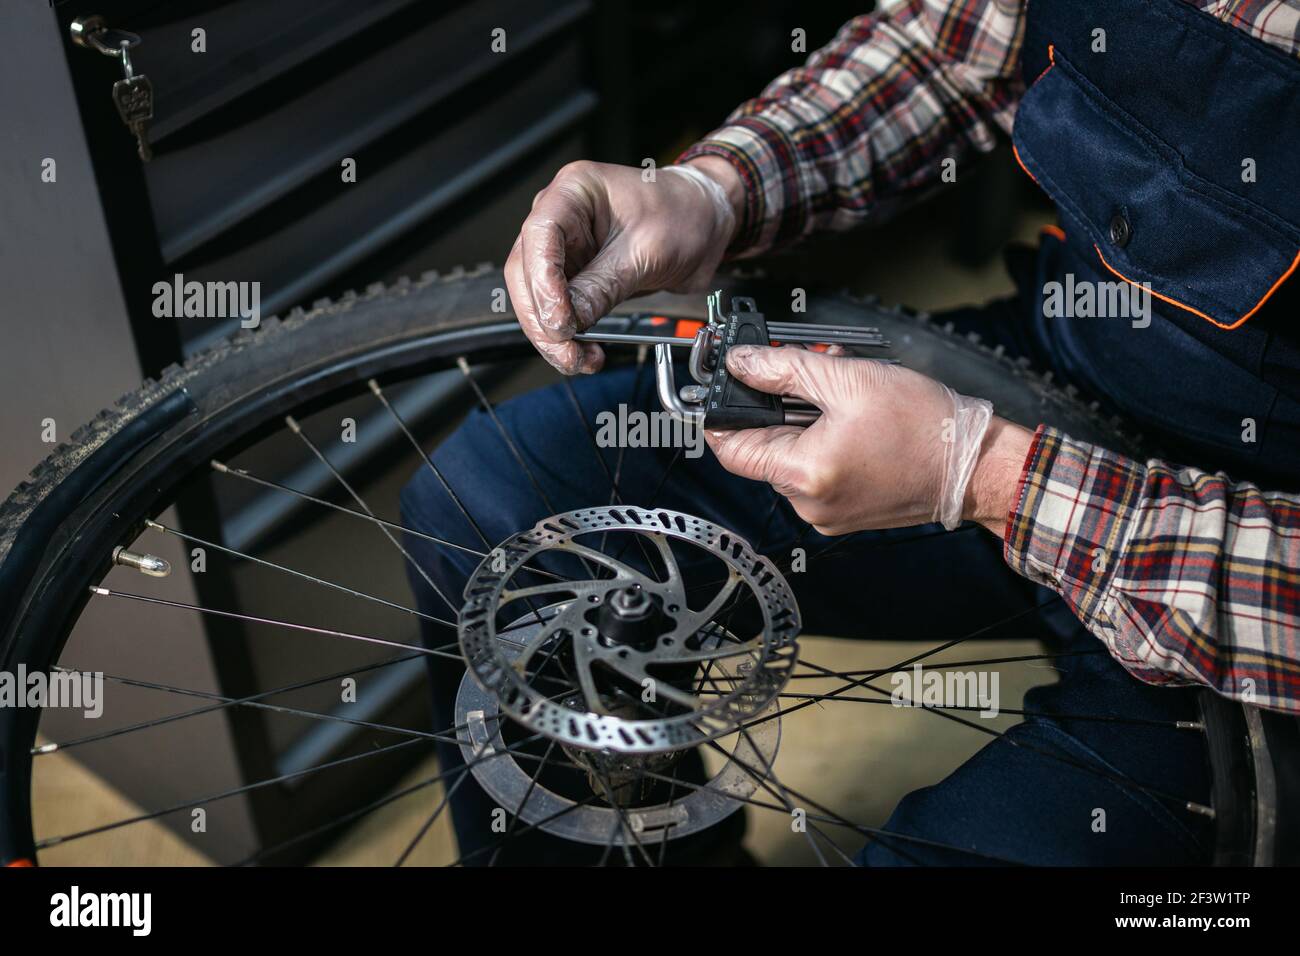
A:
{"x":1186,"y":576}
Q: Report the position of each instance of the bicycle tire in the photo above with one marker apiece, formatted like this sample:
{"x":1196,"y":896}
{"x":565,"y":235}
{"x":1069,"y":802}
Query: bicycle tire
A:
{"x":123,"y":463}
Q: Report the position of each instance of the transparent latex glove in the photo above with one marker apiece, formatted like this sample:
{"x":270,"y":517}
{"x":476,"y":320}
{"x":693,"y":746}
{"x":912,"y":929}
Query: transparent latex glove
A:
{"x":891,"y":449}
{"x":600,"y":234}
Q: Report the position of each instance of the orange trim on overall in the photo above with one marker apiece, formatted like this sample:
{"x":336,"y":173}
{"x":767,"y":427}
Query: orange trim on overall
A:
{"x":1174,"y":302}
{"x":1056,"y":231}
{"x":19,"y":863}
{"x":1051,"y":61}
{"x":1051,"y":56}
{"x":1016,"y":153}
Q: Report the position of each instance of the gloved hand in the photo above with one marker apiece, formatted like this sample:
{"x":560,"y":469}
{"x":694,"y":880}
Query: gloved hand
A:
{"x":891,"y":449}
{"x":599,"y":234}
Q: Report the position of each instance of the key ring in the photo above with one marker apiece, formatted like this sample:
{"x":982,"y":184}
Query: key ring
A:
{"x":94,"y":33}
{"x":125,"y":51}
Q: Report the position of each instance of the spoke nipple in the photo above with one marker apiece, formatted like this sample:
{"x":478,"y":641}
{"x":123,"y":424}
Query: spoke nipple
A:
{"x":374,"y":387}
{"x":98,"y":590}
{"x":219,"y":466}
{"x":293,"y":424}
{"x":153,"y":525}
{"x":149,"y":564}
{"x":1201,"y":809}
{"x":44,"y":749}
{"x":462,"y":364}
{"x":1189,"y":725}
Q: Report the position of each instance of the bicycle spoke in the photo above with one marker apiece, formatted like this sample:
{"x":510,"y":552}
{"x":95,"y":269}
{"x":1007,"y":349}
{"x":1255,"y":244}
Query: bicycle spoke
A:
{"x":277,"y":708}
{"x":628,"y":831}
{"x":226,"y":703}
{"x":859,"y":828}
{"x":381,"y":802}
{"x":532,"y":785}
{"x":1050,"y":715}
{"x":343,"y":482}
{"x":659,"y":487}
{"x":463,"y":365}
{"x":224,"y":794}
{"x":672,"y":794}
{"x":615,"y":497}
{"x":290,"y":625}
{"x":638,"y":674}
{"x":642,"y":352}
{"x":975,"y":662}
{"x":245,"y":475}
{"x":1119,"y":779}
{"x":614,"y":493}
{"x":428,"y":461}
{"x":763,"y":781}
{"x":575,"y":805}
{"x":804,"y":799}
{"x":430,"y":820}
{"x":610,"y":842}
{"x":299,"y":574}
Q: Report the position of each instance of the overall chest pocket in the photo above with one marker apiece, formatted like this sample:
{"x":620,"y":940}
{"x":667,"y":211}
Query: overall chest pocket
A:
{"x":1148,"y":218}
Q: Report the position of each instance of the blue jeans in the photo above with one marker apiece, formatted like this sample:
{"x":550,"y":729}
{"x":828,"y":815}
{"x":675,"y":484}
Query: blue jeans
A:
{"x":1021,"y":798}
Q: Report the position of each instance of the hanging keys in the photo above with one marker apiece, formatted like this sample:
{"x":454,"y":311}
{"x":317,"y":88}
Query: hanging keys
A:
{"x":133,"y":94}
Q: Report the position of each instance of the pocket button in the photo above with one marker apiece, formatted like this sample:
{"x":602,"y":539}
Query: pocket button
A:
{"x":1120,"y":230}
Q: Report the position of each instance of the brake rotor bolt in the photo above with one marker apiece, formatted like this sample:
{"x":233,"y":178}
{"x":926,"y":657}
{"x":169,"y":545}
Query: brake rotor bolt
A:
{"x":149,"y":564}
{"x":630,"y":601}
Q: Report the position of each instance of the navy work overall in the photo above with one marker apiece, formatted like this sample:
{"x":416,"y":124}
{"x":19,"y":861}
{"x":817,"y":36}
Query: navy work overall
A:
{"x":1168,"y":141}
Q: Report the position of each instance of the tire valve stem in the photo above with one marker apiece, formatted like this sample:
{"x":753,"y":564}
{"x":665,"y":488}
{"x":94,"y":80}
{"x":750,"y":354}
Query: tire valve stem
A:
{"x":149,"y":564}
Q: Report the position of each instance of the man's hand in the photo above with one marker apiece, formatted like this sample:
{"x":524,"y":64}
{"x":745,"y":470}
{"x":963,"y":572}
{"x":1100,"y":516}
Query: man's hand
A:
{"x":876,"y":457}
{"x":600,"y":234}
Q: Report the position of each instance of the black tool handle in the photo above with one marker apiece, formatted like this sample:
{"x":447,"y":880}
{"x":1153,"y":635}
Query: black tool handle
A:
{"x":731,"y":403}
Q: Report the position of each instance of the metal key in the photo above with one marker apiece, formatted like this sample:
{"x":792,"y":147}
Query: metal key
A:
{"x":133,"y":96}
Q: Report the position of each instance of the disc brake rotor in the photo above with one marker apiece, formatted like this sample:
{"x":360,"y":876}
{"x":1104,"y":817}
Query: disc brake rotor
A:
{"x":626,"y":640}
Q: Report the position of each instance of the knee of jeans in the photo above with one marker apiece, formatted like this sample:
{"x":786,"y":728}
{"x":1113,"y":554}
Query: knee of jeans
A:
{"x":480,"y":482}
{"x":908,"y":845}
{"x":881,"y":852}
{"x":421,"y":502}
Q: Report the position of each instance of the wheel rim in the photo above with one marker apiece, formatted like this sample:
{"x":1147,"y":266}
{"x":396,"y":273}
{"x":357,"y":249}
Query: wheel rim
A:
{"x":147,"y":483}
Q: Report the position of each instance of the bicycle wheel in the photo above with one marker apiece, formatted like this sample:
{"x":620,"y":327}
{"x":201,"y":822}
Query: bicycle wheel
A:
{"x":60,"y":530}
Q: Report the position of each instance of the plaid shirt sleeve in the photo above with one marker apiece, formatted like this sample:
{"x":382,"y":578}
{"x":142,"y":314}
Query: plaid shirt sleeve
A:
{"x":871,"y":117}
{"x":868,"y":121}
{"x":1187,"y":577}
